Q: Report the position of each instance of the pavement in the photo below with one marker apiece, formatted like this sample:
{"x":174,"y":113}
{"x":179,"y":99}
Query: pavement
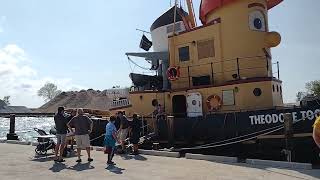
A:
{"x":19,"y":162}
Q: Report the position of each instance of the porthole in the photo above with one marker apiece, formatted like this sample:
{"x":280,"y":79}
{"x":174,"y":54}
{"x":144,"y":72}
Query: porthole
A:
{"x":155,"y":102}
{"x":257,"y":92}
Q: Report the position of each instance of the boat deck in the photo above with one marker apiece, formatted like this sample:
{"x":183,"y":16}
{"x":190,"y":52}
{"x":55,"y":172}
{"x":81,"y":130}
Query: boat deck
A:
{"x":18,"y":162}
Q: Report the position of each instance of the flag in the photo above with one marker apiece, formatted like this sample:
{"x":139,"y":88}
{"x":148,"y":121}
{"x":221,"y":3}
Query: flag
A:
{"x":145,"y":43}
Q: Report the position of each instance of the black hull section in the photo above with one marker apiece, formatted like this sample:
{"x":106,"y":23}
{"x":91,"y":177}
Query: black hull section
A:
{"x":189,"y":132}
{"x":215,"y":127}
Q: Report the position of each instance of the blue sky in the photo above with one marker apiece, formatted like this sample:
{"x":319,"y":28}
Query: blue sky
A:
{"x":80,"y":44}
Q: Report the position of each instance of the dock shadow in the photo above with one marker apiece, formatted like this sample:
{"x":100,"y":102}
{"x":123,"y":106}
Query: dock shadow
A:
{"x":43,"y":158}
{"x":314,"y":173}
{"x":114,"y":169}
{"x":57,"y":167}
{"x":135,"y":157}
{"x":81,"y":167}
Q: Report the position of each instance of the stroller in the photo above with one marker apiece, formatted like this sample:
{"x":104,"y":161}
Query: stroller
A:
{"x":45,"y":144}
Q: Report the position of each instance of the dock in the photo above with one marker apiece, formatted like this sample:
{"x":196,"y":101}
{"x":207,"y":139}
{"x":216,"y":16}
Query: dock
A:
{"x":27,"y":114}
{"x":19,"y":162}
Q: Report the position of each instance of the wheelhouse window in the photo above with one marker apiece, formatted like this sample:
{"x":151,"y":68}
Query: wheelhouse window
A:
{"x":205,"y":49}
{"x":228,"y":97}
{"x":184,"y":54}
{"x":201,"y":81}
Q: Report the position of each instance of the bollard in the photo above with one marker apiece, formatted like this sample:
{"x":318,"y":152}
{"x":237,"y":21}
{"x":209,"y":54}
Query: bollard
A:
{"x":288,"y":133}
{"x":12,"y":135}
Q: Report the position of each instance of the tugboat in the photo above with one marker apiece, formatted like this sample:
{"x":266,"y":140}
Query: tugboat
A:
{"x":218,"y":85}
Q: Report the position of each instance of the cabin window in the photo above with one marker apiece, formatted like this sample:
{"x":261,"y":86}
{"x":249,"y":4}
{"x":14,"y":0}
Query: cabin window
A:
{"x":277,"y":88}
{"x":184,"y":54}
{"x":177,"y":29}
{"x":257,"y":92}
{"x":201,"y":81}
{"x":273,"y":89}
{"x":228,"y":97}
{"x":205,"y":49}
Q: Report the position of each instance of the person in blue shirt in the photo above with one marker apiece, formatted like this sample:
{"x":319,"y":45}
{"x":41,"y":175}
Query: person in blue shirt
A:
{"x":110,"y":139}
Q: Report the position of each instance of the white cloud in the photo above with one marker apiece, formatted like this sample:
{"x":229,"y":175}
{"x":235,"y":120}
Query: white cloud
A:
{"x":20,"y":81}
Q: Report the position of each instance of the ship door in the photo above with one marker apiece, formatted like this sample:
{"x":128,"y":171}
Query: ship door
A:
{"x":194,"y":105}
{"x":179,"y":106}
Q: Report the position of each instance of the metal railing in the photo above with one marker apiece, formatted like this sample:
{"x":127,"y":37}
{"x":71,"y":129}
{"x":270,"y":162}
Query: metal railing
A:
{"x":120,"y":103}
{"x":239,"y":68}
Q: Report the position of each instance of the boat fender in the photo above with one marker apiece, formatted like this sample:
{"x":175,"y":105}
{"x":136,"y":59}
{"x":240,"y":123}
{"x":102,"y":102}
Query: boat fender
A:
{"x":173,"y":73}
{"x":214,"y":102}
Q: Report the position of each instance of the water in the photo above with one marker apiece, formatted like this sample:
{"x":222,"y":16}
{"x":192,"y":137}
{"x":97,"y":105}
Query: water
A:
{"x":24,"y":127}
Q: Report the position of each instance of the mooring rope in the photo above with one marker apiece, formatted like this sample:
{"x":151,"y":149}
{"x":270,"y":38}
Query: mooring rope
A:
{"x":217,"y":144}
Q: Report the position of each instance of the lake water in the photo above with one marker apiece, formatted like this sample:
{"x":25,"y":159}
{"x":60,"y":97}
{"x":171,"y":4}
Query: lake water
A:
{"x":24,"y":127}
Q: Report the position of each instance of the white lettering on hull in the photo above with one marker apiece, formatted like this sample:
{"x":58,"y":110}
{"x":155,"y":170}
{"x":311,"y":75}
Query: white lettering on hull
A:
{"x":276,"y":118}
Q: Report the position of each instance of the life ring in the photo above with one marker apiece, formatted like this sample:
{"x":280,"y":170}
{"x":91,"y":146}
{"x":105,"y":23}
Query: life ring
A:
{"x":173,"y":73}
{"x":214,"y":102}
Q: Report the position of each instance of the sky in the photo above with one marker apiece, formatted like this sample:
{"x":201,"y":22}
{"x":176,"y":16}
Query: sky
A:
{"x":81,"y":44}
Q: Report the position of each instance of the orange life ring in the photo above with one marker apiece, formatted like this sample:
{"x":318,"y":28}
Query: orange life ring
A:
{"x":173,"y":73}
{"x":214,"y":102}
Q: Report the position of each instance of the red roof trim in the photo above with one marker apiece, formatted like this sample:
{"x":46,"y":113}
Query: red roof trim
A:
{"x":208,"y":6}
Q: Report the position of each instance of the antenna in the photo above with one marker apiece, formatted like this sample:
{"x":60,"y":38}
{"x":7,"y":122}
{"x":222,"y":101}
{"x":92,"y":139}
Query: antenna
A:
{"x":143,"y":31}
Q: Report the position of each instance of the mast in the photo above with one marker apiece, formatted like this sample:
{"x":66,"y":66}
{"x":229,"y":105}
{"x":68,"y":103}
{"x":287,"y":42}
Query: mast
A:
{"x":191,"y":13}
{"x":175,"y":17}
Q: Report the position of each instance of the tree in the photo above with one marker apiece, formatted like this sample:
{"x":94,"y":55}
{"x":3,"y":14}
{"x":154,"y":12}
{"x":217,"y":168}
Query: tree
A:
{"x":6,"y":99}
{"x":300,"y":95}
{"x":49,"y":91}
{"x":313,"y":89}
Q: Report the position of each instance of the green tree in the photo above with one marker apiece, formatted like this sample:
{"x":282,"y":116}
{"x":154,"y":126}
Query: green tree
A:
{"x":313,"y":89}
{"x":6,"y":99}
{"x":48,"y":91}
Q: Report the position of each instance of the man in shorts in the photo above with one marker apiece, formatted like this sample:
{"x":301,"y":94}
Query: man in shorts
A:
{"x":83,"y":127}
{"x":123,"y":130}
{"x":61,"y":128}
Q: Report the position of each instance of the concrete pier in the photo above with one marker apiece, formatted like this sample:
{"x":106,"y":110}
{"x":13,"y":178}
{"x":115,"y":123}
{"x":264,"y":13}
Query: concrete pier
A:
{"x":19,"y":162}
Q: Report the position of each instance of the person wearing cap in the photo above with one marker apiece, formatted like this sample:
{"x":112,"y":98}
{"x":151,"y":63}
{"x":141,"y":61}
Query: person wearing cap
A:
{"x":60,"y":121}
{"x":316,"y":130}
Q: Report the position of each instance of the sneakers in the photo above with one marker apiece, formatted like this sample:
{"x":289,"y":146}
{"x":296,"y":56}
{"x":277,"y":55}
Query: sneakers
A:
{"x":111,"y":163}
{"x":89,"y":160}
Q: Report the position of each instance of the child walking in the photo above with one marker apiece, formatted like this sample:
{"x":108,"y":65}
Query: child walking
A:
{"x":110,"y":139}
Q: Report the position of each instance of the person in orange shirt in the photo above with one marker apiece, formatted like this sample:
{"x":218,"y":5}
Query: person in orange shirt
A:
{"x":316,"y":130}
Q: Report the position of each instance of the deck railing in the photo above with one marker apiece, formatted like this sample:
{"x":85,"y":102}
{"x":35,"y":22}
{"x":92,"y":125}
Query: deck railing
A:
{"x":120,"y":103}
{"x":231,"y":69}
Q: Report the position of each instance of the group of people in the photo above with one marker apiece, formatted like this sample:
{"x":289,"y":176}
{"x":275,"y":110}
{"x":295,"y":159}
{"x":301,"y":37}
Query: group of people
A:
{"x":117,"y":130}
{"x":80,"y":125}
